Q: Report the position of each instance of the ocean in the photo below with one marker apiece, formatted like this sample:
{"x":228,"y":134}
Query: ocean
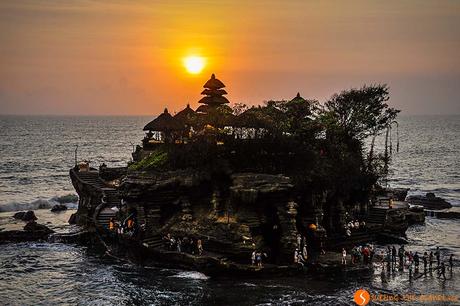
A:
{"x":36,"y":153}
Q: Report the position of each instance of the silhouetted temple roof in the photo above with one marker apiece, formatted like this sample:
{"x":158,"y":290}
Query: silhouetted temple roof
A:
{"x":215,"y":92}
{"x":213,"y":83}
{"x":187,"y":115}
{"x":164,"y":122}
{"x":217,"y":115}
{"x":214,"y":100}
{"x":253,"y":118}
{"x":202,"y":109}
{"x":297,"y":98}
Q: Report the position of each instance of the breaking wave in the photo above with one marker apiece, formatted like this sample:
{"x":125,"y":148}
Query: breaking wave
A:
{"x":69,"y":200}
{"x":191,"y":275}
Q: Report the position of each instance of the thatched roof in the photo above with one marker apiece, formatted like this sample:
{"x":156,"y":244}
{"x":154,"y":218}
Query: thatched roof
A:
{"x":214,"y":83}
{"x":186,"y":116}
{"x":297,"y":98}
{"x":203,"y":109}
{"x":214,"y":92}
{"x":217,"y":116}
{"x":214,"y":100}
{"x":253,"y":118}
{"x":164,"y":122}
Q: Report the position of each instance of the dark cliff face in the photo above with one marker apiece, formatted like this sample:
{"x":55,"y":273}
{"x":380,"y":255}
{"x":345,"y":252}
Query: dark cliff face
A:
{"x":232,"y":215}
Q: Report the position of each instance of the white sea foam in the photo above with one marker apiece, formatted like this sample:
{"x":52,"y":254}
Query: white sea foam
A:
{"x":191,"y":275}
{"x":71,"y":201}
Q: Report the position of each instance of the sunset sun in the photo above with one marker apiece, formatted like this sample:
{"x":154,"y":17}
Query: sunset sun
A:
{"x":194,"y":64}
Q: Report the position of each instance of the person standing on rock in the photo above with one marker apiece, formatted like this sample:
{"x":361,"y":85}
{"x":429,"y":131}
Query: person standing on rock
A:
{"x":401,"y":255}
{"x":451,"y":262}
{"x":344,"y":256}
{"x":305,"y":252}
{"x":199,"y":245}
{"x":259,"y":259}
{"x":431,"y":260}
{"x":253,"y":258}
{"x":393,"y":255}
{"x":442,"y":271}
{"x":438,"y":256}
{"x":416,"y":261}
{"x":425,"y":262}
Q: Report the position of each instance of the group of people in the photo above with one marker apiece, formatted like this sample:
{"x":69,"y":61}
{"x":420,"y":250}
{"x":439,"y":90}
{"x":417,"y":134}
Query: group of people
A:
{"x":413,"y":261}
{"x":354,"y":226}
{"x":185,"y":244}
{"x":364,"y":254}
{"x":128,"y":226}
{"x":301,"y":252}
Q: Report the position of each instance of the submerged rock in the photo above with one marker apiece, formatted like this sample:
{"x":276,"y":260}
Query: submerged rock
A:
{"x":58,"y":207}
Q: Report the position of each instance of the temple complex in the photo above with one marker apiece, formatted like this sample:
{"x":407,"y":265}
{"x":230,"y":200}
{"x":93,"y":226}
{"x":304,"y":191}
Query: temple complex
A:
{"x":260,"y":179}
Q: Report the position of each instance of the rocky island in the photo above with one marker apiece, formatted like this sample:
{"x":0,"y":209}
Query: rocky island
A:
{"x":214,"y":188}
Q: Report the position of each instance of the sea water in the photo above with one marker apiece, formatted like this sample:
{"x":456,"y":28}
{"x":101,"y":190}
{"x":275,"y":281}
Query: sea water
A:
{"x":36,"y":153}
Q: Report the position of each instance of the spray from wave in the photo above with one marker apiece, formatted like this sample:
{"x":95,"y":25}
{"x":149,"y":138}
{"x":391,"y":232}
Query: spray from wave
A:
{"x":69,"y":200}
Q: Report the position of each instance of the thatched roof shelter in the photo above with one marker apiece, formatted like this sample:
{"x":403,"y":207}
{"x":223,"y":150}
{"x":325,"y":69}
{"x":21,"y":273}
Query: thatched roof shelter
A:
{"x":187,"y":116}
{"x":217,"y":116}
{"x":164,"y":123}
{"x":202,"y":109}
{"x":253,"y":118}
{"x":297,"y":98}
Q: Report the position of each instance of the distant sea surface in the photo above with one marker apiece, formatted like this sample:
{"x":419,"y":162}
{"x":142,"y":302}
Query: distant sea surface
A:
{"x":36,"y":153}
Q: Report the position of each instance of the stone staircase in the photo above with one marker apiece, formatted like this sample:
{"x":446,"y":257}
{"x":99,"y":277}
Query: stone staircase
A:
{"x":104,"y":217}
{"x":377,"y":215}
{"x":255,"y":223}
{"x":153,"y":241}
{"x":91,"y":178}
{"x":112,"y":197}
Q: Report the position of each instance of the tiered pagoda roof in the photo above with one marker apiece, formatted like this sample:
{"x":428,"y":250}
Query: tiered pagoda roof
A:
{"x":213,"y":92}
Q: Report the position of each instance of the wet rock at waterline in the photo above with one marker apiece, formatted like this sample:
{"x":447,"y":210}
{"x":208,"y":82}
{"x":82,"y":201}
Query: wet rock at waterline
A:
{"x":429,"y":201}
{"x":32,"y":232}
{"x":25,"y":216}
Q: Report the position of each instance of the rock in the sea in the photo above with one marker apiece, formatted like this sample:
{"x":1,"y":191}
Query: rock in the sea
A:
{"x":37,"y":228}
{"x":29,"y":216}
{"x":32,"y":232}
{"x":416,"y":214}
{"x":429,"y":201}
{"x":19,"y":215}
{"x":58,"y":207}
{"x":25,"y":216}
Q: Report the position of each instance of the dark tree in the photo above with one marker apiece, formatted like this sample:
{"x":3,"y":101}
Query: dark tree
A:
{"x":360,"y":113}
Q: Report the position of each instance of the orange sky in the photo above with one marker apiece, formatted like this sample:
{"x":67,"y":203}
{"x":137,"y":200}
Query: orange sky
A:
{"x":115,"y":57}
